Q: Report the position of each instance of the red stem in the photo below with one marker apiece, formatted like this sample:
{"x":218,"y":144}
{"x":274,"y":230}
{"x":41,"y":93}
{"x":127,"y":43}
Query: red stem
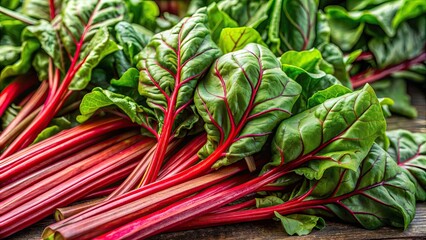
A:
{"x":14,"y":89}
{"x":364,"y":56}
{"x":369,"y":76}
{"x":52,"y":9}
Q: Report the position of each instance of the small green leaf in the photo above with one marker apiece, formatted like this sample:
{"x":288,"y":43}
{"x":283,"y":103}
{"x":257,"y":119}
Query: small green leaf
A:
{"x":130,"y":79}
{"x":218,"y":20}
{"x":131,"y":40}
{"x":300,"y":224}
{"x":268,"y":201}
{"x":233,"y":39}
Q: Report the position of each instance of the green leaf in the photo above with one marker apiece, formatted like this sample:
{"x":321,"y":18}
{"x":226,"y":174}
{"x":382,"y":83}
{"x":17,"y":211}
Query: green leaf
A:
{"x":39,"y":9}
{"x":300,"y":224}
{"x":377,"y":194}
{"x":233,"y":39}
{"x":334,"y":56}
{"x":406,"y":44}
{"x":292,"y":25}
{"x":328,"y":93}
{"x":409,"y":9}
{"x":41,"y":65}
{"x":131,"y":40}
{"x":337,"y":133}
{"x":241,"y":100}
{"x":245,"y":12}
{"x":9,"y":115}
{"x":322,"y":29}
{"x":10,"y":4}
{"x":143,"y":12}
{"x":218,"y":20}
{"x":81,"y":20}
{"x":57,"y":125}
{"x":9,"y":54}
{"x":304,"y":68}
{"x":129,"y":79}
{"x":396,"y":89}
{"x":98,"y":47}
{"x":21,"y":66}
{"x":268,"y":201}
{"x":409,"y":151}
{"x":100,"y":98}
{"x":170,"y":67}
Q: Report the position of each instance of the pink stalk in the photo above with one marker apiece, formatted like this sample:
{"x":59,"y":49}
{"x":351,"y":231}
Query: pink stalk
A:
{"x":14,"y":89}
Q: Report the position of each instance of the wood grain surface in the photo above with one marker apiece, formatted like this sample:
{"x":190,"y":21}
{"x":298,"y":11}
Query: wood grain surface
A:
{"x":273,"y":230}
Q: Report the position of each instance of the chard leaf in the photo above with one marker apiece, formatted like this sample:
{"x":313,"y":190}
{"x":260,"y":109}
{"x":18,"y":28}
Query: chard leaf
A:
{"x":56,"y":125}
{"x":396,"y":89}
{"x":28,"y":48}
{"x":322,"y":29}
{"x":219,"y":20}
{"x":9,"y":115}
{"x":304,"y":68}
{"x":407,"y":43}
{"x":170,"y":67}
{"x":241,"y":100}
{"x":233,"y":39}
{"x":81,"y":20}
{"x":337,"y":133}
{"x":39,"y":9}
{"x":409,"y":9}
{"x":334,"y":56}
{"x":409,"y":151}
{"x":9,"y":54}
{"x":98,"y":47}
{"x":41,"y":65}
{"x":245,"y":12}
{"x":328,"y":93}
{"x":131,"y":40}
{"x":268,"y":201}
{"x":300,"y":224}
{"x":144,"y":13}
{"x":292,"y":25}
{"x":377,"y":194}
{"x":129,"y":79}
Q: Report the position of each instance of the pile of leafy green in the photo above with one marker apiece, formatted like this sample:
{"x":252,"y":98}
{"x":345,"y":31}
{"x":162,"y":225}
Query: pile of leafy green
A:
{"x":279,"y":78}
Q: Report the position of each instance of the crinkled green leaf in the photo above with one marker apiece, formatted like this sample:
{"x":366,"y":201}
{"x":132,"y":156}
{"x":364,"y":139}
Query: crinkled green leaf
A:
{"x":328,"y":93}
{"x":337,"y":133}
{"x":409,"y":151}
{"x":300,"y":224}
{"x":406,"y":44}
{"x":21,"y":66}
{"x":219,"y":20}
{"x":241,"y":100}
{"x":81,"y":20}
{"x":233,"y":39}
{"x":98,"y":47}
{"x":170,"y":67}
{"x":131,"y":40}
{"x":46,"y":35}
{"x":396,"y":89}
{"x":304,"y":68}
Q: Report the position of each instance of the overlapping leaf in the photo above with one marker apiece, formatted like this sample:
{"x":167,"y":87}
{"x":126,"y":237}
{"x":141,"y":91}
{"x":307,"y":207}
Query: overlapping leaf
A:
{"x":242,"y":99}
{"x":337,"y":133}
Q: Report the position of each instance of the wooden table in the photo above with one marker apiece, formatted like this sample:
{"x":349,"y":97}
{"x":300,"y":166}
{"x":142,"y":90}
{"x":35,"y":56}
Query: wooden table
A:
{"x":273,"y":230}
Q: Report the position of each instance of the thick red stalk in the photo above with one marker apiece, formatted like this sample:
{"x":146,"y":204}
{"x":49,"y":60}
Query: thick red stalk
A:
{"x":71,"y":137}
{"x":67,"y":196}
{"x":108,"y":220}
{"x":79,"y":168}
{"x":100,"y":193}
{"x":369,"y":76}
{"x":29,"y":179}
{"x":14,"y":89}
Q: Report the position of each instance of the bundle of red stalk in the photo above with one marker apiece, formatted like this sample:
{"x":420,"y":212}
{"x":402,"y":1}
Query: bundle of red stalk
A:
{"x":226,"y":125}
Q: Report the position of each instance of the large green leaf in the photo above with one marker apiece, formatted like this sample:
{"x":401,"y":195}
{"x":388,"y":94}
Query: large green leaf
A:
{"x":328,"y":93}
{"x":170,"y":67}
{"x":241,"y":100}
{"x":409,"y":151}
{"x":233,"y":39}
{"x":337,"y":133}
